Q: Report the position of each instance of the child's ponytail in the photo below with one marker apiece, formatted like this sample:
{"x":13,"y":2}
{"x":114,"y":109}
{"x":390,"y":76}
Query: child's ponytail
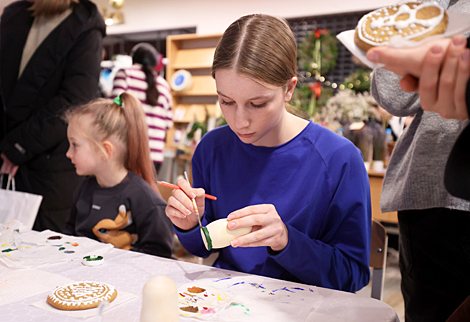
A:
{"x":138,"y":158}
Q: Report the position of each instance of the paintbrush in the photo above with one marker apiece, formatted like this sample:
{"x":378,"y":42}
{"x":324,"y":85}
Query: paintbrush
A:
{"x":194,"y":202}
{"x":174,"y":186}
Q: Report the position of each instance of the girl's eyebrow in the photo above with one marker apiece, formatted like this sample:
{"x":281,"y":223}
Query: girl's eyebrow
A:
{"x":222,"y":94}
{"x":250,"y":99}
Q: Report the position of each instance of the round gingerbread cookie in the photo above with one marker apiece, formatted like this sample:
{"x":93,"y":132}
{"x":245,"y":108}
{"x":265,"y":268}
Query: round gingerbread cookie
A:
{"x":410,"y":20}
{"x":81,"y":295}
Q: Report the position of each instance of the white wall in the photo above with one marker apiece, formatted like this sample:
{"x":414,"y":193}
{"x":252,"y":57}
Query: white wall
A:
{"x":214,"y":16}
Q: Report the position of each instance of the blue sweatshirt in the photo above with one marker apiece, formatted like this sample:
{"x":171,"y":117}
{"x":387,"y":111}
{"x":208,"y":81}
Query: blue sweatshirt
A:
{"x":320,"y":188}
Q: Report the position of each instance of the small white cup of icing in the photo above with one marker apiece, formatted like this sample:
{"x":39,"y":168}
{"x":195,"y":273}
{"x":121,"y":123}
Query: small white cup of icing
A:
{"x":217,"y":235}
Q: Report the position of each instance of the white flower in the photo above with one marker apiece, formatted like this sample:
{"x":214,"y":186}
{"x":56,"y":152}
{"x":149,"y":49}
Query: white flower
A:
{"x":347,"y":104}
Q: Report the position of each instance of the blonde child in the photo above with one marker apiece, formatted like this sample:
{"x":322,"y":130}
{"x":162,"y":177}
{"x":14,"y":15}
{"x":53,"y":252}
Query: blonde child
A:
{"x":118,"y":202}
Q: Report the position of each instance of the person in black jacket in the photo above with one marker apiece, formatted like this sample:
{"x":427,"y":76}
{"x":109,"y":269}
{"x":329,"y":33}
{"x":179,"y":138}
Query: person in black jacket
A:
{"x":440,"y":72}
{"x":50,"y":54}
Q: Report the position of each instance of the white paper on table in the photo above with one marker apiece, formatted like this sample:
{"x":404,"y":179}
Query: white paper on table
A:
{"x":122,"y":297}
{"x":459,"y":23}
{"x":17,"y":285}
{"x":33,"y":250}
{"x":257,"y":298}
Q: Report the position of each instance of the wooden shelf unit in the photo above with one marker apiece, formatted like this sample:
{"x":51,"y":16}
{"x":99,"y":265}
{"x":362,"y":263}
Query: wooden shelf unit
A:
{"x":195,"y":54}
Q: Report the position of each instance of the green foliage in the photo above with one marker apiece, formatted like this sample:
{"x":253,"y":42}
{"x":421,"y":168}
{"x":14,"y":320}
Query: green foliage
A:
{"x":301,"y":100}
{"x":359,"y":81}
{"x":318,"y":52}
{"x":196,"y":126}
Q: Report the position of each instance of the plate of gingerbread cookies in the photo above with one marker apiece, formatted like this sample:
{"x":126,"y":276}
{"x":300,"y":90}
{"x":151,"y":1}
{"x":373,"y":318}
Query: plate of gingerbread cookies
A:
{"x":405,"y":24}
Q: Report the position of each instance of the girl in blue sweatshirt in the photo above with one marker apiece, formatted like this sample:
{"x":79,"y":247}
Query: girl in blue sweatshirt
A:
{"x":303,"y":189}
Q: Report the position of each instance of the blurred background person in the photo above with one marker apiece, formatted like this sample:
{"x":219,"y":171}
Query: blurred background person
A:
{"x":143,"y":81}
{"x":49,"y":60}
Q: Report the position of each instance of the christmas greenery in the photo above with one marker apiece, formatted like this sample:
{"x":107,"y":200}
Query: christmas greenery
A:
{"x":318,"y":52}
{"x":359,"y":81}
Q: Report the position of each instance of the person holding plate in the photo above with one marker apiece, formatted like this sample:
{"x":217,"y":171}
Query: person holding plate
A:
{"x":434,"y":224}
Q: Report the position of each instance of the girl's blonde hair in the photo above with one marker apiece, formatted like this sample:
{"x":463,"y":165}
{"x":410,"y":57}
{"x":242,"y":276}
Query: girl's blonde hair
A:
{"x":259,"y":47}
{"x":50,"y":8}
{"x":125,"y":123}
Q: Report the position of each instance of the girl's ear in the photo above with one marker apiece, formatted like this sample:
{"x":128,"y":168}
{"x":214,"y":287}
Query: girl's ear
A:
{"x":108,"y":150}
{"x":290,"y":88}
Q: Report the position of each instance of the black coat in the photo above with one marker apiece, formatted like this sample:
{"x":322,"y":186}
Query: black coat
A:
{"x":63,"y":71}
{"x":457,"y":175}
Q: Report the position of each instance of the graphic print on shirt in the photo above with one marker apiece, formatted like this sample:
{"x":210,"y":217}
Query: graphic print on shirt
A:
{"x":109,"y":231}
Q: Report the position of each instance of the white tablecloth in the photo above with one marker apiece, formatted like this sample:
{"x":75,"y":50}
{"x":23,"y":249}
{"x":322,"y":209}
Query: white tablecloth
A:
{"x":128,"y":272}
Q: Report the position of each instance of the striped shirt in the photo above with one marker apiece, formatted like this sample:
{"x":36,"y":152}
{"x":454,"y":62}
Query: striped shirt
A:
{"x":159,"y":118}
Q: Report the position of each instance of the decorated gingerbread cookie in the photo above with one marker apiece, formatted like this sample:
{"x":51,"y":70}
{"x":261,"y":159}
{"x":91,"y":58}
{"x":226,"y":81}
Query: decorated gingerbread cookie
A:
{"x":410,"y":20}
{"x":81,"y":295}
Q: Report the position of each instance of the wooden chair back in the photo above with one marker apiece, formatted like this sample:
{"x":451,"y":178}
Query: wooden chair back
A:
{"x":378,"y":258}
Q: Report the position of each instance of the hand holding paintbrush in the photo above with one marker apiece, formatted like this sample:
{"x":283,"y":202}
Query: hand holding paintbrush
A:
{"x":185,"y":204}
{"x":194,"y":203}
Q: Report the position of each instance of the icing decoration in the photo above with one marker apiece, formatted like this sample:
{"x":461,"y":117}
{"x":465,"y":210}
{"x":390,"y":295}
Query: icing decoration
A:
{"x":384,"y":19}
{"x":387,"y":20}
{"x":74,"y":295}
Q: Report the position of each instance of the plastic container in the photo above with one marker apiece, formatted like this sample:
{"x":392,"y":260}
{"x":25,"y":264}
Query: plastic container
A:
{"x":388,"y":139}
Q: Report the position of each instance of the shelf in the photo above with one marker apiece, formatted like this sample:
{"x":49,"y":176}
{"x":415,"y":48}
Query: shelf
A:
{"x":186,"y":113}
{"x":194,"y":58}
{"x":194,"y":53}
{"x":202,"y":86}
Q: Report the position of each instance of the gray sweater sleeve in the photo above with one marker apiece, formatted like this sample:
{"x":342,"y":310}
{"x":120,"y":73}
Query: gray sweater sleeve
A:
{"x":386,"y":90}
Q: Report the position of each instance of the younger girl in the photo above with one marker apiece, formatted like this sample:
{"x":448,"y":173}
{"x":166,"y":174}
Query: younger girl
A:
{"x":303,"y":189}
{"x":109,"y":144}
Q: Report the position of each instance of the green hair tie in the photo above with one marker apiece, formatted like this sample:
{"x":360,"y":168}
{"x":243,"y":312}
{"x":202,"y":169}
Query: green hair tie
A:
{"x":118,"y":101}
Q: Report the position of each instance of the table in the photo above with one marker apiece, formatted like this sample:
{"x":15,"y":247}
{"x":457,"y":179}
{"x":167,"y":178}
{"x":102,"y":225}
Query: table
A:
{"x":376,"y":180}
{"x":128,"y":271}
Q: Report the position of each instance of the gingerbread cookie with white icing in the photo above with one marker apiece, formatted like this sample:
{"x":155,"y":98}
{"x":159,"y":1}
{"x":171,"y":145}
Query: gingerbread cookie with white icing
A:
{"x":81,"y":295}
{"x":410,"y":20}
